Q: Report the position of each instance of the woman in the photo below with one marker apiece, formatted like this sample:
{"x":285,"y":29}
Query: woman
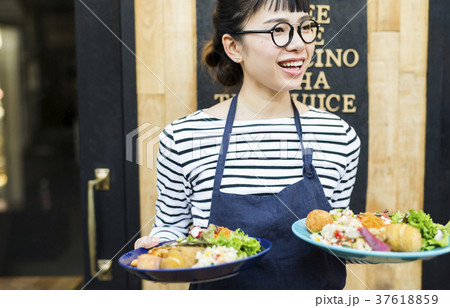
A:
{"x":259,"y":161}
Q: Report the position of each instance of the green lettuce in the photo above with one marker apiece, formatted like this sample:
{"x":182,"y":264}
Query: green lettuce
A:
{"x":442,"y":239}
{"x":428,"y":229}
{"x":397,"y":217}
{"x":245,"y":245}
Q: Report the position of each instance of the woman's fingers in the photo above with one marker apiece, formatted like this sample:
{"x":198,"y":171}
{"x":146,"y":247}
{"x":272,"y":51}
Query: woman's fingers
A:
{"x":146,"y":242}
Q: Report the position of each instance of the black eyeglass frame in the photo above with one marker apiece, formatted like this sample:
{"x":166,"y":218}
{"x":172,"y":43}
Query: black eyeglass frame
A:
{"x":291,"y":31}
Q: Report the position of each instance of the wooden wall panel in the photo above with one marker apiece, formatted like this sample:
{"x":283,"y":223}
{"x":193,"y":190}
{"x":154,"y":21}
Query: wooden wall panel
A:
{"x":383,"y":15}
{"x":167,"y":89}
{"x":150,"y":110}
{"x":180,"y":57}
{"x":150,"y":58}
{"x":388,"y":15}
{"x":398,"y":42}
{"x":412,"y":99}
{"x":383,"y":111}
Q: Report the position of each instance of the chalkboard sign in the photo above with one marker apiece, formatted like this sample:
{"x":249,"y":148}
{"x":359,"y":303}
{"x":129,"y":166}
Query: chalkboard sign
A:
{"x":336,"y":80}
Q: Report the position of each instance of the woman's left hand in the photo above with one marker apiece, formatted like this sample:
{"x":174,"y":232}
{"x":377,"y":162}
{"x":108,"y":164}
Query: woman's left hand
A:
{"x":146,"y":242}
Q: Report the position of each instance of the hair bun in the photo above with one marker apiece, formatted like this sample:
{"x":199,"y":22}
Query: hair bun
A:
{"x":211,"y":56}
{"x":229,"y":73}
{"x":221,"y":67}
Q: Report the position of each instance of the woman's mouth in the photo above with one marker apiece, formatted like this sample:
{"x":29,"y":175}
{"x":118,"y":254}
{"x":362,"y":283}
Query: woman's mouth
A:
{"x":292,"y":67}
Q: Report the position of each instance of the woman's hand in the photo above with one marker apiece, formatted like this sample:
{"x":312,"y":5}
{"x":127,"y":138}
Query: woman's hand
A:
{"x":146,"y":242}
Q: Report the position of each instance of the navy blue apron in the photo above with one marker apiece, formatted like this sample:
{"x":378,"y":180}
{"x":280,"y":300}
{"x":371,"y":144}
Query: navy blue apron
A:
{"x":292,"y":263}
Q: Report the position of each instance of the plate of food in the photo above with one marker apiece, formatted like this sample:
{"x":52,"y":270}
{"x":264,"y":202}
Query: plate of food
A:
{"x":209,"y":254}
{"x":375,"y":237}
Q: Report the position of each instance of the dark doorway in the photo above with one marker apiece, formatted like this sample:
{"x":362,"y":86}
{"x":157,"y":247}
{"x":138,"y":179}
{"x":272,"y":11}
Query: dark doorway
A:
{"x":40,"y":210}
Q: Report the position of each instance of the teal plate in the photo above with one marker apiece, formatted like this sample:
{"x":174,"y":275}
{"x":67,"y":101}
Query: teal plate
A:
{"x":299,"y":229}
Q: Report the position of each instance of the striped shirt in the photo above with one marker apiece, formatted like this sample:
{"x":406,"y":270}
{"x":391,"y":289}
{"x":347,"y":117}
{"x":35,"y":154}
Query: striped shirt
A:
{"x":264,"y":156}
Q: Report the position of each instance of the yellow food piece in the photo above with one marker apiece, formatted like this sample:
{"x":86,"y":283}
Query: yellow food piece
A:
{"x":133,"y":263}
{"x":180,"y":257}
{"x":369,"y":220}
{"x":146,"y":261}
{"x":173,"y":260}
{"x":159,"y":252}
{"x":402,"y":237}
{"x":317,"y":219}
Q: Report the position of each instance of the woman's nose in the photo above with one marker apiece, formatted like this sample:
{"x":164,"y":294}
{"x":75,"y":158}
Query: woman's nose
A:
{"x":296,"y":43}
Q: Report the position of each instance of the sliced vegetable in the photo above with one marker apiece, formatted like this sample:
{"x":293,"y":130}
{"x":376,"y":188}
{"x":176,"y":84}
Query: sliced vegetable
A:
{"x":221,"y":236}
{"x":375,"y":243}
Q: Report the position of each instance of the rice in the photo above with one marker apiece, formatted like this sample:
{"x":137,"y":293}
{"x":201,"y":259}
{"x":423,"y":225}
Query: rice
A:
{"x":216,"y":255}
{"x":343,"y":232}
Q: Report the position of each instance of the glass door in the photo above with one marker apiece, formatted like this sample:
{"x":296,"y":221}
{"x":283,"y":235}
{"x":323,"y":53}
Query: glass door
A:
{"x":68,"y":101}
{"x":40,"y":210}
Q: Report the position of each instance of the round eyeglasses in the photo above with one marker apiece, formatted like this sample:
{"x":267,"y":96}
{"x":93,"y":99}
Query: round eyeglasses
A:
{"x":283,"y":32}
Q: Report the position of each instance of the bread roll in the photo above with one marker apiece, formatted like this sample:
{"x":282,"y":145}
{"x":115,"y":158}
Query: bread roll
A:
{"x":317,"y":219}
{"x":403,"y":237}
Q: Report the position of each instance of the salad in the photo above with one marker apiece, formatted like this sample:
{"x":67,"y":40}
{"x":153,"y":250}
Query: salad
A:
{"x":343,"y":231}
{"x":203,"y":247}
{"x":411,"y":231}
{"x":433,"y":234}
{"x":244,"y":245}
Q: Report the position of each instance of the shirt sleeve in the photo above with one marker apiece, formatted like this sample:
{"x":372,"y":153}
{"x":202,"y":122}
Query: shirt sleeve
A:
{"x":342,"y":193}
{"x":173,"y":210}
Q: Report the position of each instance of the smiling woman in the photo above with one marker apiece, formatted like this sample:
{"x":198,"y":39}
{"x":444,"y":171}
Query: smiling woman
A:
{"x":238,"y":164}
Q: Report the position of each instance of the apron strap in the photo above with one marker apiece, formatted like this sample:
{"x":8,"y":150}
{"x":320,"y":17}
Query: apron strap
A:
{"x":224,"y":147}
{"x":298,"y":126}
{"x":306,"y":153}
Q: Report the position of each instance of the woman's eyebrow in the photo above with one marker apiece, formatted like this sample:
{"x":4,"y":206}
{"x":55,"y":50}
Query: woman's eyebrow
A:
{"x":281,"y":19}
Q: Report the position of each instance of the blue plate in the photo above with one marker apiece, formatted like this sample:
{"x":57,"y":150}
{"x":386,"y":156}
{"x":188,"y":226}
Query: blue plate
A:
{"x":299,"y":229}
{"x":193,"y":275}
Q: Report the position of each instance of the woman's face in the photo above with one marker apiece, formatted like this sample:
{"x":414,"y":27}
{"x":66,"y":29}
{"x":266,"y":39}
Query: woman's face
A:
{"x":266,"y":65}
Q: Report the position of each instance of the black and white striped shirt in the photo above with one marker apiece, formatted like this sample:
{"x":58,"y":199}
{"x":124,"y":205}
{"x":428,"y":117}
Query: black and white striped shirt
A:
{"x":264,"y":157}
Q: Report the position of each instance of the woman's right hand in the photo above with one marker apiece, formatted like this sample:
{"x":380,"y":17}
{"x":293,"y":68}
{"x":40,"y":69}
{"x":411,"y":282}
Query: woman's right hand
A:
{"x":146,"y":242}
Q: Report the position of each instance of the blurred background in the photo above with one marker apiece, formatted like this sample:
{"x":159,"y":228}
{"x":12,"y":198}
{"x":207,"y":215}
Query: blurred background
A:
{"x":40,"y":212}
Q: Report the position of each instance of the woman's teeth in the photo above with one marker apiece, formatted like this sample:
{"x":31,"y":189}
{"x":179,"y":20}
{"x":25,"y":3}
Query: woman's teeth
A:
{"x":295,"y":64}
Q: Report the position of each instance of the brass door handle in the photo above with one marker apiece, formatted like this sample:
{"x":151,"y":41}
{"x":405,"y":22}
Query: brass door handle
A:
{"x":99,"y":268}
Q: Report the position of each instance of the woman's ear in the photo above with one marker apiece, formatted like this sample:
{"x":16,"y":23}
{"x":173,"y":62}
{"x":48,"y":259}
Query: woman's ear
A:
{"x":232,"y":48}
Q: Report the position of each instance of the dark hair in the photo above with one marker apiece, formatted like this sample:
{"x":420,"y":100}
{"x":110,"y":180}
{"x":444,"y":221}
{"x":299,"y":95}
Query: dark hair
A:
{"x":230,"y":16}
